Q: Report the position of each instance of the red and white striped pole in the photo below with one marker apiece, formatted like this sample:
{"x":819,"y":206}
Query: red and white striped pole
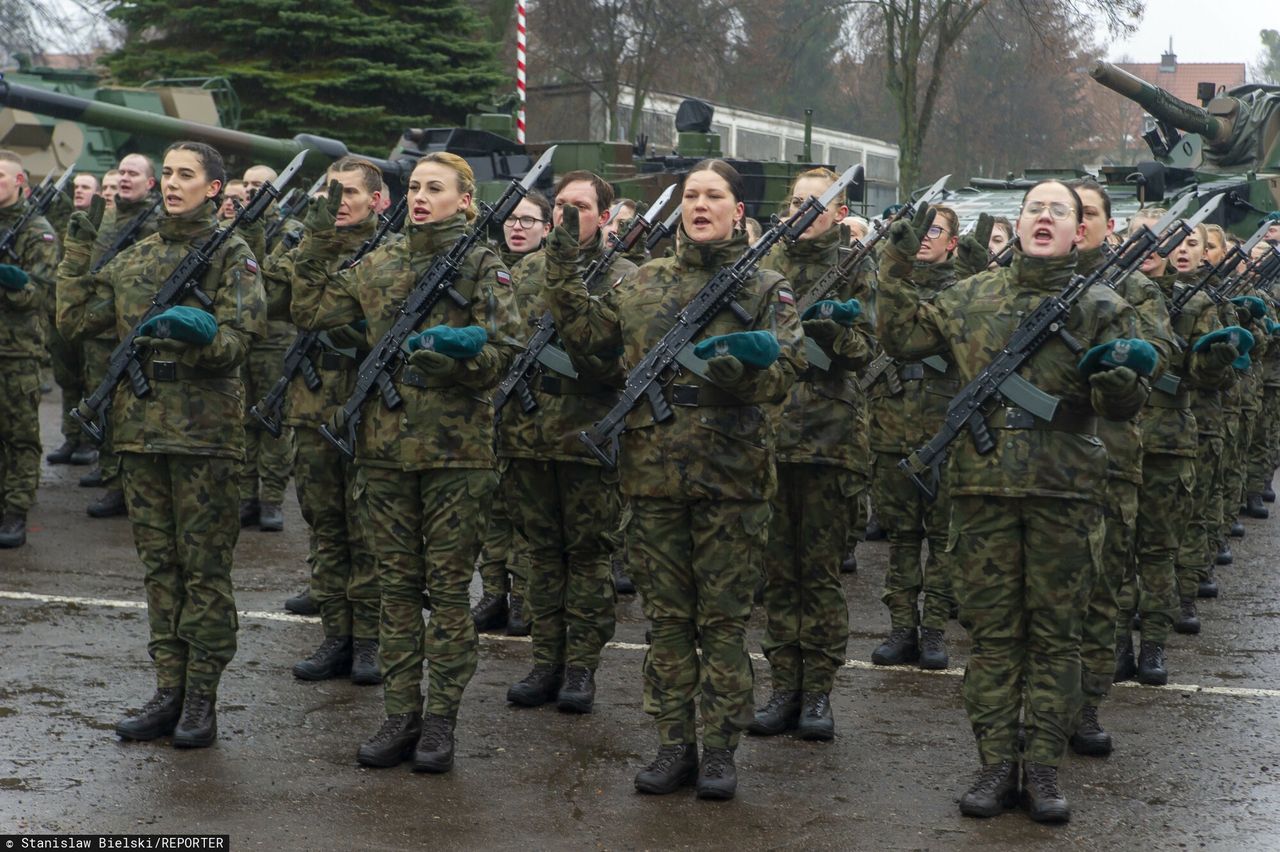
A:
{"x":521,"y":41}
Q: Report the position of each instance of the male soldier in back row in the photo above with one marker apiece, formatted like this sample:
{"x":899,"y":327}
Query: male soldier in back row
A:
{"x":26,"y":290}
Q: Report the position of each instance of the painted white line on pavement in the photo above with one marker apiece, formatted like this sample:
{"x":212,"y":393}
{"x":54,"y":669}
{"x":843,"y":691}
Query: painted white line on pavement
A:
{"x":259,"y":615}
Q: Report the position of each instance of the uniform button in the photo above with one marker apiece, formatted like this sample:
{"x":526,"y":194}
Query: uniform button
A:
{"x":703,"y":419}
{"x":1009,"y":445}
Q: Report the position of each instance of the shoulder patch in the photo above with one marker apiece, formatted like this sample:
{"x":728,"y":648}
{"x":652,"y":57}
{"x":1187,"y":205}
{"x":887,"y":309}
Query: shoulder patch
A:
{"x":786,"y":296}
{"x":251,"y":265}
{"x":504,"y":277}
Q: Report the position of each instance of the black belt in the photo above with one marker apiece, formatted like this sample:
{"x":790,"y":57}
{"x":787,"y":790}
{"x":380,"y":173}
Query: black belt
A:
{"x":1064,"y":420}
{"x":911,"y":372}
{"x":336,"y":361}
{"x":172,"y":371}
{"x":559,"y":386}
{"x":696,"y":395}
{"x":414,"y":379}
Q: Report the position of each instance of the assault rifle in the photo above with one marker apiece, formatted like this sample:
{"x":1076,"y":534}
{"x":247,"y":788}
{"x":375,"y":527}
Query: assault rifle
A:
{"x":293,"y":206}
{"x":298,"y":358}
{"x":539,"y":351}
{"x":127,"y":237}
{"x":388,"y":355}
{"x":38,"y":204}
{"x":643,"y":382}
{"x":182,"y":282}
{"x":1229,"y":260}
{"x":1048,"y":320}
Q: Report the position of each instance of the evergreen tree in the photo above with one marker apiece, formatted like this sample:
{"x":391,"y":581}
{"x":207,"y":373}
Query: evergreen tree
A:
{"x":358,"y":70}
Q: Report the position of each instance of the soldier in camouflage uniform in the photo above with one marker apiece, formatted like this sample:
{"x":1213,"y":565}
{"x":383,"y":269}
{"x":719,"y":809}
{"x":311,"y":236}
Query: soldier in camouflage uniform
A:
{"x":68,"y":356}
{"x":1123,"y":442}
{"x":268,"y":458}
{"x":26,"y":290}
{"x":136,"y":197}
{"x":344,"y":583}
{"x":908,"y":404}
{"x":822,"y":468}
{"x":697,"y":485}
{"x":563,"y":504}
{"x":504,"y":566}
{"x":181,"y":443}
{"x":425,"y":471}
{"x":1026,"y":525}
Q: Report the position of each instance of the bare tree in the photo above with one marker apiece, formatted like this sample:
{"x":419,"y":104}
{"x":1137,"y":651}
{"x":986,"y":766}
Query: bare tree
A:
{"x":35,"y":28}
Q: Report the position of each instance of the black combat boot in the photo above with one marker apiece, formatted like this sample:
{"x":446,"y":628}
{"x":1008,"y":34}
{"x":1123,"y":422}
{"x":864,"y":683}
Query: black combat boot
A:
{"x":1040,"y":789}
{"x":1089,"y":737}
{"x":270,"y":517}
{"x":157,"y":718}
{"x":578,"y":693}
{"x":490,"y":612}
{"x":717,"y":776}
{"x":1151,"y":670}
{"x":622,"y":584}
{"x":816,"y":721}
{"x":1237,"y":529}
{"x":435,"y":747}
{"x":302,"y":604}
{"x":1126,"y":664}
{"x":994,"y":789}
{"x":899,"y":649}
{"x":1208,"y":587}
{"x":92,"y":479}
{"x":85,"y":455}
{"x":393,"y":743}
{"x":1253,"y":507}
{"x":62,"y":455}
{"x":1268,"y":494}
{"x":874,"y":531}
{"x":1187,"y":622}
{"x":332,"y":659}
{"x":516,"y":623}
{"x":1225,"y":556}
{"x":933,"y":648}
{"x":249,"y":513}
{"x":198,"y":727}
{"x":780,"y":713}
{"x":13,"y":529}
{"x":539,"y":686}
{"x":674,"y":767}
{"x":109,"y":505}
{"x":849,"y":565}
{"x":365,"y":670}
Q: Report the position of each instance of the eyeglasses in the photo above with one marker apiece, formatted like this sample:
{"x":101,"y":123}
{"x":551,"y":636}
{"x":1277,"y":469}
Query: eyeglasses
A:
{"x":935,"y":232}
{"x":525,"y":222}
{"x":1057,"y":209}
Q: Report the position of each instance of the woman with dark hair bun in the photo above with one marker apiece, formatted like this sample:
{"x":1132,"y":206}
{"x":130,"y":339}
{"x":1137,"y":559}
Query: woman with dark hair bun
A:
{"x":699,"y":483}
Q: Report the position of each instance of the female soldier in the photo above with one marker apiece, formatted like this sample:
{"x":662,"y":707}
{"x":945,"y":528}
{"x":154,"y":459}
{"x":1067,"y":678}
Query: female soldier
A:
{"x":823,"y":467}
{"x":425,"y":470}
{"x":700,"y":482}
{"x":526,"y":228}
{"x":180,"y":445}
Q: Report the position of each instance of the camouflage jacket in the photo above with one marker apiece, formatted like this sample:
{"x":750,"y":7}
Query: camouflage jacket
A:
{"x":1271,"y":359}
{"x":900,"y":422}
{"x":972,"y":323}
{"x":1206,"y":385}
{"x":823,"y":420}
{"x":280,"y":330}
{"x":116,"y":220}
{"x":724,"y":447}
{"x":442,"y":424}
{"x":340,"y":350}
{"x":1123,"y":438}
{"x":22,"y":312}
{"x":196,"y":404}
{"x":565,"y":406}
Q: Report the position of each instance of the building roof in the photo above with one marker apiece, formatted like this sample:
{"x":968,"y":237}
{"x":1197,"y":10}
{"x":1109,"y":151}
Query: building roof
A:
{"x":1182,"y":79}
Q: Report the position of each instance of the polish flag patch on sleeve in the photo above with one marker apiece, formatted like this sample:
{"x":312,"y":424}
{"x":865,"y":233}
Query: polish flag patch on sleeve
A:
{"x":786,"y":297}
{"x":251,"y":265}
{"x":504,"y":277}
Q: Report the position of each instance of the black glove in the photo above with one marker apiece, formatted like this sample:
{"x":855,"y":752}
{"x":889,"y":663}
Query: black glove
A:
{"x":905,"y":236}
{"x":562,"y":242}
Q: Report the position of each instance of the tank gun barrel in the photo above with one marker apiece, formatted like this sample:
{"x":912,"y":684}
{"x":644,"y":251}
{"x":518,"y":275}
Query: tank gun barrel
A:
{"x":1162,"y":105}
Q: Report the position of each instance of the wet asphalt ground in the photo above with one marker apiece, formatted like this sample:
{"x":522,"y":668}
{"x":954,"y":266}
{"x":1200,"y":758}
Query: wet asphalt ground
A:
{"x":1196,"y":765}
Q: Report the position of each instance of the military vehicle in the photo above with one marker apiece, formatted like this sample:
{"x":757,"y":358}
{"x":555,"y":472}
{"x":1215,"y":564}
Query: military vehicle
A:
{"x":1229,"y":146}
{"x":48,"y":113}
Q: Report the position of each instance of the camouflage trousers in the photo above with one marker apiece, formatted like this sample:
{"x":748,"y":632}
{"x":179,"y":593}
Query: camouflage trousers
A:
{"x":807,"y":625}
{"x":424,"y":529}
{"x":1261,"y":458}
{"x":1271,"y":417}
{"x":908,"y":520}
{"x":697,"y":563}
{"x":1235,"y":466}
{"x":567,"y":514}
{"x":1024,"y":568}
{"x":183,"y":513}
{"x":1098,"y":631}
{"x":68,"y":372}
{"x":19,"y":433}
{"x":344,"y":583}
{"x":1164,"y":508}
{"x":268,"y":460}
{"x":1199,"y":539}
{"x":504,"y":562}
{"x":96,"y":355}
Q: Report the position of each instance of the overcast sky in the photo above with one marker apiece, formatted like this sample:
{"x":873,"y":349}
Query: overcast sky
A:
{"x":1202,"y":31}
